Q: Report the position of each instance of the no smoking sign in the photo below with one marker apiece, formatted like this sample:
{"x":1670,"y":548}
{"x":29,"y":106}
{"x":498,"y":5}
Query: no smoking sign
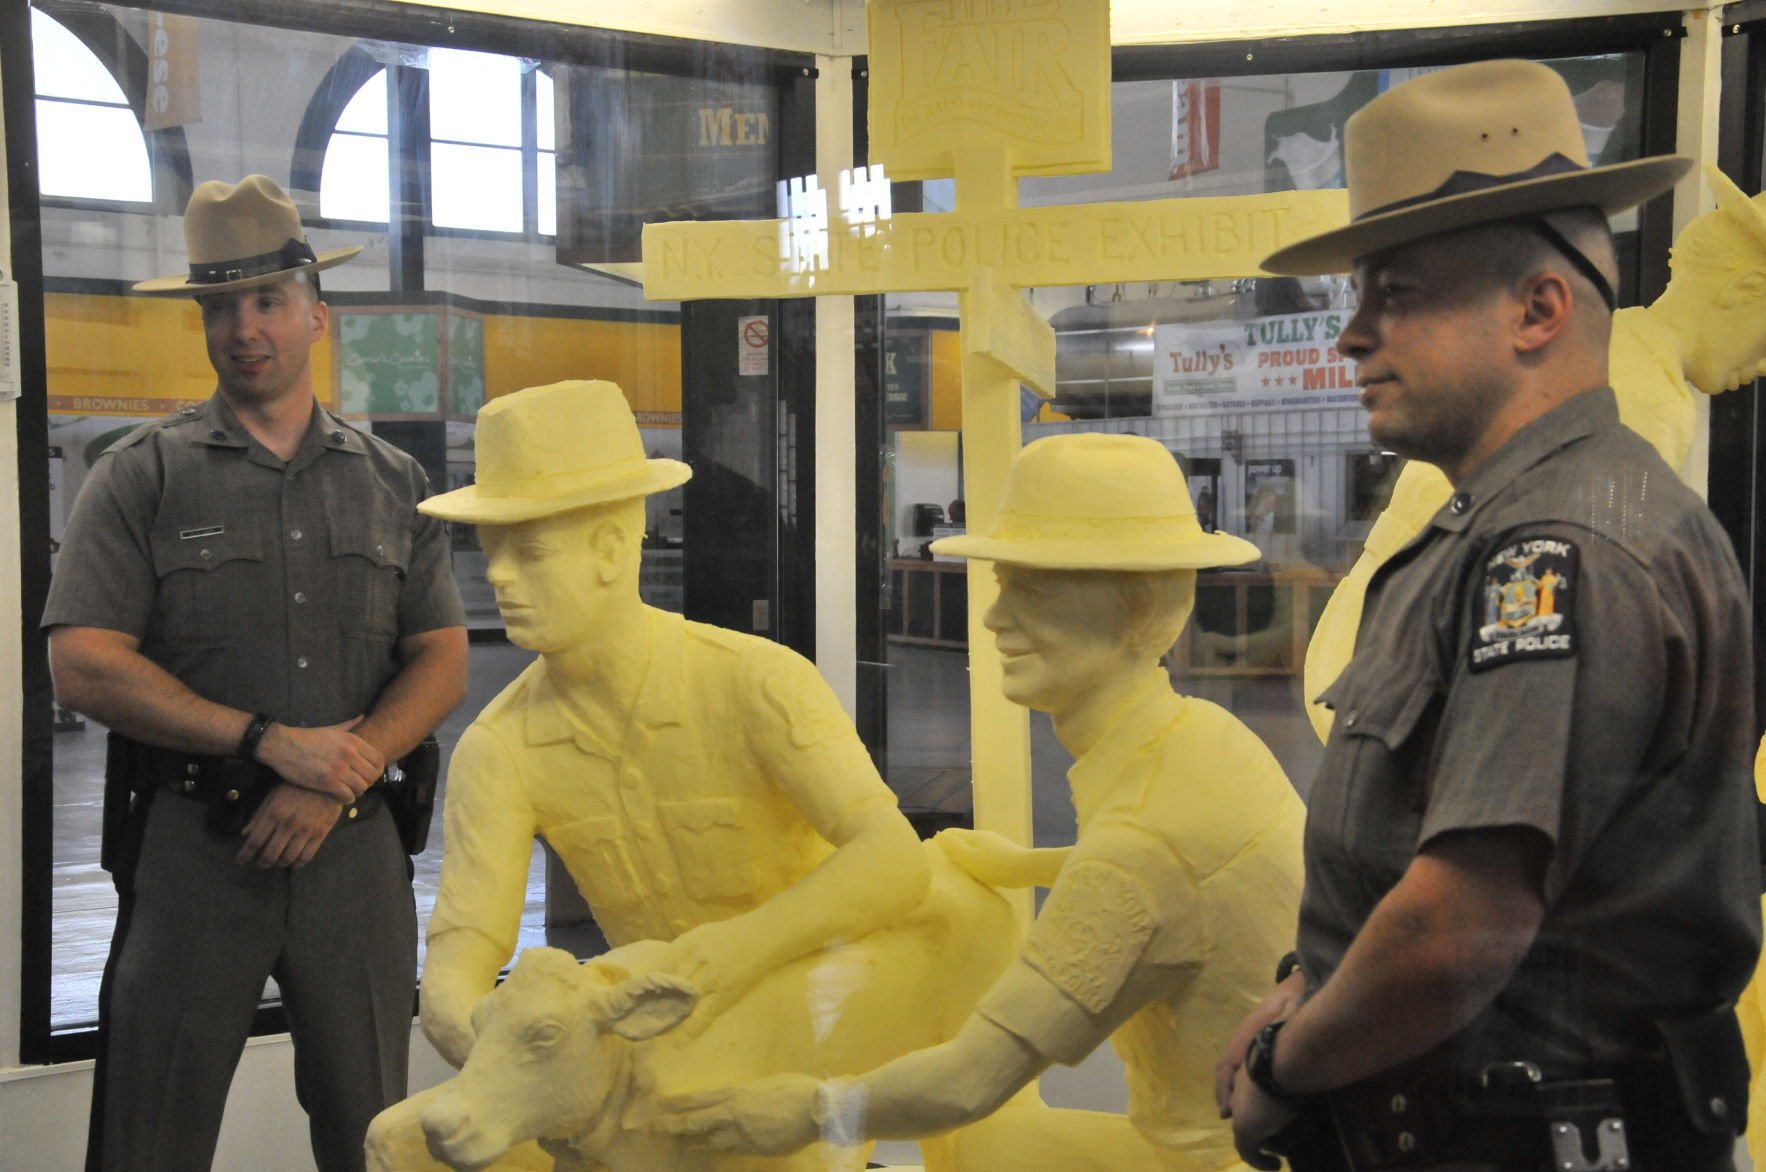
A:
{"x":753,"y":345}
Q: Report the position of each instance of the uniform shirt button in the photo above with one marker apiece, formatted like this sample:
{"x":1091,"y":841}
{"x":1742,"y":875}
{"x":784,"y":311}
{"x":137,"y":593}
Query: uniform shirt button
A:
{"x":1461,"y":502}
{"x":1349,"y":721}
{"x":353,"y":813}
{"x":380,"y":551}
{"x":205,"y":555}
{"x":300,"y":597}
{"x":294,"y":534}
{"x":301,"y":662}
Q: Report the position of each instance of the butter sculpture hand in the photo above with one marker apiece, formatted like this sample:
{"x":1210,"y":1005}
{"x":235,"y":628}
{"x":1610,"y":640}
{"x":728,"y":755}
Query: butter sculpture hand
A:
{"x":768,"y":1117}
{"x":997,"y":861}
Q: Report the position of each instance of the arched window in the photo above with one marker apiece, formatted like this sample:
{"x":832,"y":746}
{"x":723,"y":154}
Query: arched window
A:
{"x":490,"y":127}
{"x":89,"y":141}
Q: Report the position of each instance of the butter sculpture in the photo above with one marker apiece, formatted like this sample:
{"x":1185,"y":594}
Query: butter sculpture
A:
{"x":1706,"y":332}
{"x":1166,"y":918}
{"x":988,"y":94}
{"x":574,"y":1055}
{"x":703,"y":788}
{"x":1750,"y":1011}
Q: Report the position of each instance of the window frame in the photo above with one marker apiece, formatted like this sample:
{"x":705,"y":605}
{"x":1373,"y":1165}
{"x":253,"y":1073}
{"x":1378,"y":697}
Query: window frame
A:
{"x":168,"y":151}
{"x":319,"y":124}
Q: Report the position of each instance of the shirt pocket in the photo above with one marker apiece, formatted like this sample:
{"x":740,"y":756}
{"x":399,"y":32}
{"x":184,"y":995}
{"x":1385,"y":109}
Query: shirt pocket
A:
{"x":1372,"y":786}
{"x":595,"y":854}
{"x":208,"y":584}
{"x":711,"y":841}
{"x":370,"y":554}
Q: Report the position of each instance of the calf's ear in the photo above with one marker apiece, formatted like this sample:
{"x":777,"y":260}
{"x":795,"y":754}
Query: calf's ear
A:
{"x":645,"y":1006}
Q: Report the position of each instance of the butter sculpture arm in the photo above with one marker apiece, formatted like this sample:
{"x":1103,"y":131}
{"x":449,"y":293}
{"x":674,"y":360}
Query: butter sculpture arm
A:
{"x":997,"y":861}
{"x":924,"y":1093}
{"x":805,"y":743}
{"x":842,"y":899}
{"x":488,"y":831}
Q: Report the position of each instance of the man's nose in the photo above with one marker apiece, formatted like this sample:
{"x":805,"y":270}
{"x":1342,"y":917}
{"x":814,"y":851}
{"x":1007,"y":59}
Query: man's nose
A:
{"x":1357,"y":339}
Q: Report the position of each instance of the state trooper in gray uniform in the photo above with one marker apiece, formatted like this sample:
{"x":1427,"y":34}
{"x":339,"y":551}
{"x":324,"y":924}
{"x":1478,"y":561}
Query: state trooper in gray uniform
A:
{"x":1531,"y":869}
{"x":249,"y":600}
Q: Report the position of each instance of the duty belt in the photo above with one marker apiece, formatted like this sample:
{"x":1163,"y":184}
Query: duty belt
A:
{"x":232,"y":785}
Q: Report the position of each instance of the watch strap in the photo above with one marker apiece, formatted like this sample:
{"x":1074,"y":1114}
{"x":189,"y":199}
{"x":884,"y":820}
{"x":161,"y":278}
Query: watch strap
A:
{"x":253,"y":736}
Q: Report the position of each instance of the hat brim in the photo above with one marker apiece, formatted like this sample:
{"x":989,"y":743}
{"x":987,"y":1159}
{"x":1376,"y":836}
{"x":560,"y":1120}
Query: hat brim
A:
{"x":1612,"y":189}
{"x":181,"y":282}
{"x":474,"y":507}
{"x":1198,"y":553}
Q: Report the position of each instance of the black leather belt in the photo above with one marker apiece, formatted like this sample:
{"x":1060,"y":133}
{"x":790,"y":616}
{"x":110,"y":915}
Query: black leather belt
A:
{"x":230,"y":782}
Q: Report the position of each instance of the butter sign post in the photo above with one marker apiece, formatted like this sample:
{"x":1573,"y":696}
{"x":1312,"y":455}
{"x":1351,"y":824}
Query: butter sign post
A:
{"x":987,"y":94}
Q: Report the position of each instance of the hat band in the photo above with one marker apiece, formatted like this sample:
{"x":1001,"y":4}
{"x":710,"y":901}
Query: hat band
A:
{"x":549,"y":485}
{"x":291,"y":255}
{"x":1040,"y":527}
{"x":1466,"y":182}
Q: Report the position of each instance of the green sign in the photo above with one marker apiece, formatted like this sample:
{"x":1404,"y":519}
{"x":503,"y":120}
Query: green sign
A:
{"x":390,"y":363}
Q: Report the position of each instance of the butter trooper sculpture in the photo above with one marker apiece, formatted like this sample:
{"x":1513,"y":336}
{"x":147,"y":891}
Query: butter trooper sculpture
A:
{"x":1167,"y":917}
{"x":703,"y":788}
{"x":1705,"y":333}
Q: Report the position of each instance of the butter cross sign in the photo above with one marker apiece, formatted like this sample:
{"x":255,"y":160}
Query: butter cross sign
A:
{"x":987,"y":93}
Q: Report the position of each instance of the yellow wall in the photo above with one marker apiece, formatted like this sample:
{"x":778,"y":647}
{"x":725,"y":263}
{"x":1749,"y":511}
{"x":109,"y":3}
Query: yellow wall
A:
{"x":111,"y":354}
{"x":644,"y":358}
{"x":115,"y":355}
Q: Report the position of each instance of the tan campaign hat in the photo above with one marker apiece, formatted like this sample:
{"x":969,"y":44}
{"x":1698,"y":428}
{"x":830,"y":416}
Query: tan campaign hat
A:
{"x":550,"y":449}
{"x":239,"y":235}
{"x":1096,"y":501}
{"x":1494,"y":140}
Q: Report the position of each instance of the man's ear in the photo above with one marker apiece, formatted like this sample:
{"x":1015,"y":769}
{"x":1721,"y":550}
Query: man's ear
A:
{"x":321,"y":318}
{"x":1547,"y":303}
{"x":608,"y":544}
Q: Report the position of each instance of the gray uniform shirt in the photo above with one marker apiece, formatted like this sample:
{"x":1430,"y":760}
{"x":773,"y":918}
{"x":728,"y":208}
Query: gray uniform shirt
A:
{"x":1566,"y":648}
{"x":269,"y":586}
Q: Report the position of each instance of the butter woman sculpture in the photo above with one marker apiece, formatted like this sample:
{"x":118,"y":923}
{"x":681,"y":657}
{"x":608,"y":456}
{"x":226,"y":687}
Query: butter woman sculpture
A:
{"x":1705,"y":333}
{"x":704,"y":788}
{"x":1167,"y":918}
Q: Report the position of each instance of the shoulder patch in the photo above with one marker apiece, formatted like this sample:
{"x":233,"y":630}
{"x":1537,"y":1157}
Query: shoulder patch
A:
{"x":1525,"y":603}
{"x":1091,"y":932}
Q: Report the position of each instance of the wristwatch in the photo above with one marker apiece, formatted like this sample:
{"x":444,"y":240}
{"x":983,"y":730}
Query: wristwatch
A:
{"x":1260,"y":1064}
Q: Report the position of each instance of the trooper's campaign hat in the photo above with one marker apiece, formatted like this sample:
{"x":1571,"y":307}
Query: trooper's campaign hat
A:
{"x":240,"y":235}
{"x":1474,"y":144}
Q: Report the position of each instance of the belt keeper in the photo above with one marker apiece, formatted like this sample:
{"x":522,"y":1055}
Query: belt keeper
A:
{"x":254,"y":734}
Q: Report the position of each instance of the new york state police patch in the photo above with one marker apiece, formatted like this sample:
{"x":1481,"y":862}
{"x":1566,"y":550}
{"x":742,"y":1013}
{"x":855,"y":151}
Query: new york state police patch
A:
{"x":1526,"y":604}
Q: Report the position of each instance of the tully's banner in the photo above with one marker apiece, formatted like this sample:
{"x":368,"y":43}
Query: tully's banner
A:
{"x":1262,"y":364}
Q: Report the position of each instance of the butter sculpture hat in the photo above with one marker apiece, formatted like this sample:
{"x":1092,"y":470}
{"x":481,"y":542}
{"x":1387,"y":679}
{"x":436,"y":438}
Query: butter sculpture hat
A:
{"x":240,"y":235}
{"x":1091,"y":501}
{"x":1494,"y":140}
{"x":550,"y":449}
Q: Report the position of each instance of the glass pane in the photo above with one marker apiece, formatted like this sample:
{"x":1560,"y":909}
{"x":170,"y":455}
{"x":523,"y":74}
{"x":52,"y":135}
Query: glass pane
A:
{"x":91,"y":152}
{"x":66,"y":68}
{"x":492,"y":316}
{"x":366,"y":113}
{"x":353,"y":181}
{"x":1274,"y":445}
{"x":547,"y":180}
{"x":474,"y":97}
{"x":476,"y":187}
{"x":545,"y":113}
